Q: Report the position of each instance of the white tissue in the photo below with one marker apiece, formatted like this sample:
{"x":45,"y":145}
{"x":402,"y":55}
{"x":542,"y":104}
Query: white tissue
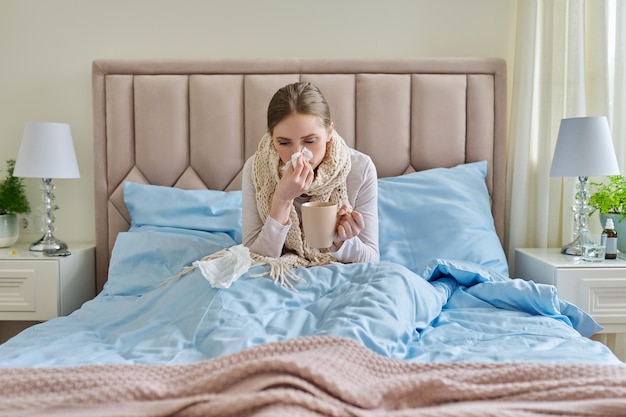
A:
{"x":222,"y":272}
{"x":308,"y":155}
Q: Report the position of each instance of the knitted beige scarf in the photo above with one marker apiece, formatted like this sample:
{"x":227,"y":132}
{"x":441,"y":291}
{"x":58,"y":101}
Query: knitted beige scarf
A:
{"x":329,"y":185}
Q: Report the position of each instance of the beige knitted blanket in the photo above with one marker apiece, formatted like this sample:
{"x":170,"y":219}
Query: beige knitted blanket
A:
{"x":315,"y":376}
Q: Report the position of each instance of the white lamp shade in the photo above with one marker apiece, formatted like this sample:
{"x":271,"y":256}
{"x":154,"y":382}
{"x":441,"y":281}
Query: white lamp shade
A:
{"x":584,"y":148}
{"x":46,"y":151}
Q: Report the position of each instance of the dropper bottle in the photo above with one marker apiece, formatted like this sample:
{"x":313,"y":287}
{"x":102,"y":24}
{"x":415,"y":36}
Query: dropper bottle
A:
{"x":609,"y":235}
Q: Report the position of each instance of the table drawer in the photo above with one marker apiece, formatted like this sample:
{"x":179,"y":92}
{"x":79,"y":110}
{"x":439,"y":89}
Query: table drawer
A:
{"x":600,"y":292}
{"x":29,"y":290}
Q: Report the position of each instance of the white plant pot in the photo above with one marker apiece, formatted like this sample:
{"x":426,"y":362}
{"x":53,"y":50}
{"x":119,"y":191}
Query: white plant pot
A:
{"x":9,"y":230}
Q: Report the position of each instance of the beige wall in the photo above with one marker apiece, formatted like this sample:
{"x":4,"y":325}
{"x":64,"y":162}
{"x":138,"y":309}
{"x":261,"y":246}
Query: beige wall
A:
{"x":47,"y":46}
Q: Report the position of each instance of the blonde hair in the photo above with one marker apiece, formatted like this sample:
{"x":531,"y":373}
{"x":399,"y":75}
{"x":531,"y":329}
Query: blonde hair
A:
{"x":300,"y":97}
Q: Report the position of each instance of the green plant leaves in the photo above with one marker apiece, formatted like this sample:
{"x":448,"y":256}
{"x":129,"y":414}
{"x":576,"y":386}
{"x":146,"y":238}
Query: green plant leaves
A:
{"x":13,"y":193}
{"x":609,"y":197}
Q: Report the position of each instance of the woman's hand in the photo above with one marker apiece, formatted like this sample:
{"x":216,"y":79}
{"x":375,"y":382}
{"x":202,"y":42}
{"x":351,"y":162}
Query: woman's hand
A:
{"x":294,"y":182}
{"x":349,"y":225}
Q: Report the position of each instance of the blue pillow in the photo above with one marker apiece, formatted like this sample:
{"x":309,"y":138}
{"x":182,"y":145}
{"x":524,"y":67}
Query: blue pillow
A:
{"x":170,"y":228}
{"x":205,"y":210}
{"x":439,"y":213}
{"x":145,"y":257}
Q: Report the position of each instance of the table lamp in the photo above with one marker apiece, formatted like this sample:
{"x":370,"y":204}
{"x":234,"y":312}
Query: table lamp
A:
{"x":584,"y":148}
{"x":47,"y":152}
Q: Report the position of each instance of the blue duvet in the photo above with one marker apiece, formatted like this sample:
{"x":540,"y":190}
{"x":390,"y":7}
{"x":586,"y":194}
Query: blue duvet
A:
{"x":449,"y":311}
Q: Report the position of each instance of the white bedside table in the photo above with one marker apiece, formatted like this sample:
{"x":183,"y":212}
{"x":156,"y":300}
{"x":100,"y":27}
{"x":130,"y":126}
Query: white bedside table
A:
{"x":598,"y":288}
{"x":36,"y":287}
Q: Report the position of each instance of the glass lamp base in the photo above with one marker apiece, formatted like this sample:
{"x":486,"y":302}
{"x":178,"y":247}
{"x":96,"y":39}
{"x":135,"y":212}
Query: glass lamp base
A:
{"x":48,"y":243}
{"x":573,"y":248}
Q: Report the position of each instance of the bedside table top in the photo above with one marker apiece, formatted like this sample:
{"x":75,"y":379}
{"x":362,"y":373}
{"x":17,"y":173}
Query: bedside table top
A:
{"x":20,"y":251}
{"x":554,"y":257}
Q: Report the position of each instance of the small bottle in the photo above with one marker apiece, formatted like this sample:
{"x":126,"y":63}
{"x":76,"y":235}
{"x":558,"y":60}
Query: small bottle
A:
{"x":609,"y":235}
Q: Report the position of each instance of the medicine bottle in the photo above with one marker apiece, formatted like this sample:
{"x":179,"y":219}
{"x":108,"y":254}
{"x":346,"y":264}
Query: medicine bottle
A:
{"x":609,"y":235}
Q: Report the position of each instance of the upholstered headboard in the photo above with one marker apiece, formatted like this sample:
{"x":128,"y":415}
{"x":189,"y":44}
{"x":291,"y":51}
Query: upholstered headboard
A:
{"x":192,"y":124}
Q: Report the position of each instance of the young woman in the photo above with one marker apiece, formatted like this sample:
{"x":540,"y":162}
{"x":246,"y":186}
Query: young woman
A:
{"x":298,"y":117}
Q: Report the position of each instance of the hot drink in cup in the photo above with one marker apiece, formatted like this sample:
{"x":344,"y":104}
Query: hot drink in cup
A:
{"x":319,"y":219}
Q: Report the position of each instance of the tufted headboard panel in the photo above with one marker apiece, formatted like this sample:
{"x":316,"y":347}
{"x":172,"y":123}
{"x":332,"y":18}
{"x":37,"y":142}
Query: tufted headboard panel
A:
{"x":192,"y":124}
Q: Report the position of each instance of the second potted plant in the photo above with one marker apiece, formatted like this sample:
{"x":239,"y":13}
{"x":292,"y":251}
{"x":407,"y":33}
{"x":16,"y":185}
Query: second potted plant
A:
{"x":609,"y":199}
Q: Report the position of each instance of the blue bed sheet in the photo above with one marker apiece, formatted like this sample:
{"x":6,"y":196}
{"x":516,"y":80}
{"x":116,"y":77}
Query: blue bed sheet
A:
{"x":451,"y":311}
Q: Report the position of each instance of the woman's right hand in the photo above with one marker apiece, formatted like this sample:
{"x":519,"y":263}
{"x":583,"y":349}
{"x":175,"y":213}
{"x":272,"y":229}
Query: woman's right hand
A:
{"x":294,"y":182}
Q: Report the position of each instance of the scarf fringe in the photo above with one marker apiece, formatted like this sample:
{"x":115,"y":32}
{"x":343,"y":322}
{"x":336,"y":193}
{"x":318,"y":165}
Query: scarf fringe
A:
{"x":280,"y":272}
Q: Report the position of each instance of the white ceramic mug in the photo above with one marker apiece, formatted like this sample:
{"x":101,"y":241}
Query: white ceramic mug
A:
{"x":319,"y":219}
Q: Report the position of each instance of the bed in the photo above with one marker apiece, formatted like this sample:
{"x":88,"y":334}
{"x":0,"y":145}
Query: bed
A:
{"x":437,"y":327}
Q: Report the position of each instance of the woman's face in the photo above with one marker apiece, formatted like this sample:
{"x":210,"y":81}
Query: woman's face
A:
{"x":298,"y":131}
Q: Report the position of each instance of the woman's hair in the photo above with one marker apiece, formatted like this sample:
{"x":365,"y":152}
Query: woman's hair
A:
{"x":300,"y":97}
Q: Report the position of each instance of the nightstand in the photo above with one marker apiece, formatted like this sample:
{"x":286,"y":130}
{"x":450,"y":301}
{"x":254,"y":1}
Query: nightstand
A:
{"x":36,"y":287}
{"x":599,"y":288}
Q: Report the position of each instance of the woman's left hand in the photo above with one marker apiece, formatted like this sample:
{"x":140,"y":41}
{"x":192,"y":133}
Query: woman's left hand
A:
{"x":349,"y":225}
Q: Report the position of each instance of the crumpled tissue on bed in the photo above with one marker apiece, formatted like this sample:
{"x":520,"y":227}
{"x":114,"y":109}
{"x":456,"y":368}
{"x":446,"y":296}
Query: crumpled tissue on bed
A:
{"x":225,"y":270}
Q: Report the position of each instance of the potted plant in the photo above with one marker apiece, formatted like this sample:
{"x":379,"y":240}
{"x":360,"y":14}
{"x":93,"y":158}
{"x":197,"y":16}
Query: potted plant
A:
{"x":13,"y":201}
{"x":609,"y":199}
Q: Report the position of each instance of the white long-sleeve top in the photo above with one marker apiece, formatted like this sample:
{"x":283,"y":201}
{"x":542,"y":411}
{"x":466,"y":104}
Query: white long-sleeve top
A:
{"x":268,"y":238}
